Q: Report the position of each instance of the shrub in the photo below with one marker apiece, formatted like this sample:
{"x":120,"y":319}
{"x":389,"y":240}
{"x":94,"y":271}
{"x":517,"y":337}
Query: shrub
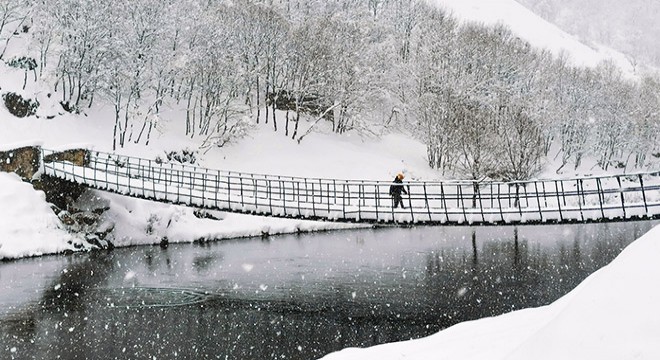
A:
{"x":18,"y":106}
{"x":184,"y":156}
{"x":23,"y":62}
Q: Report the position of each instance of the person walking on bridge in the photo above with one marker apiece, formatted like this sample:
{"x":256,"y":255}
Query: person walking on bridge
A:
{"x":396,"y":189}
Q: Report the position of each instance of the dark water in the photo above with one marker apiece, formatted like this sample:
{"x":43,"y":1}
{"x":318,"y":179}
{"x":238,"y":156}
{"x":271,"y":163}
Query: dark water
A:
{"x":290,"y":297}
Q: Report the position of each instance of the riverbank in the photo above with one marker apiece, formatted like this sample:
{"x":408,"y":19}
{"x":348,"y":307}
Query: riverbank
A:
{"x":29,"y":226}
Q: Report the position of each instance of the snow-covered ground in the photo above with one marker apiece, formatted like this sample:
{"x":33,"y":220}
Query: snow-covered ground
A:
{"x":27,"y":224}
{"x":267,"y":152}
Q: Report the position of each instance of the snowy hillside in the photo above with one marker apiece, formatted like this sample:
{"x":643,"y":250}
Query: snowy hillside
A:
{"x":534,"y":29}
{"x":401,"y":94}
{"x":629,"y":26}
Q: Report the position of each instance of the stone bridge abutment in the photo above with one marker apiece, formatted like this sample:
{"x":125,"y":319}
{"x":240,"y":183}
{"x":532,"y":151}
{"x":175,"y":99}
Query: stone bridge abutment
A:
{"x":26,"y":162}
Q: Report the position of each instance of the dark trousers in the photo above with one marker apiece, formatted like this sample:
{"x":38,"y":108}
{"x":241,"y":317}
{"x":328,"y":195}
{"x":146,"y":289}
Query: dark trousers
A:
{"x":397,"y":199}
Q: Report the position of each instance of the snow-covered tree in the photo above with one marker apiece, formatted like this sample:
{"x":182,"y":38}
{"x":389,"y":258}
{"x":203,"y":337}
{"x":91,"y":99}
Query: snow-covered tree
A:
{"x":13,"y":20}
{"x":431,"y":68}
{"x":612,"y":115}
{"x":485,"y":103}
{"x":83,"y":41}
{"x":646,"y":129}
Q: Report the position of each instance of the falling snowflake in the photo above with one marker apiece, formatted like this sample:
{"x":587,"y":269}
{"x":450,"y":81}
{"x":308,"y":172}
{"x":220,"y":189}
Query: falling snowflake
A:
{"x":129,"y":275}
{"x":462,"y":291}
{"x":247,"y":267}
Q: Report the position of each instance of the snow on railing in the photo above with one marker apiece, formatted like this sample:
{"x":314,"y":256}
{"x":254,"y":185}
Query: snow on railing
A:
{"x":594,"y":198}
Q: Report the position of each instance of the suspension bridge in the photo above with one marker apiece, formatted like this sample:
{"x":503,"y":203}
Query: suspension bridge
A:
{"x":584,"y":199}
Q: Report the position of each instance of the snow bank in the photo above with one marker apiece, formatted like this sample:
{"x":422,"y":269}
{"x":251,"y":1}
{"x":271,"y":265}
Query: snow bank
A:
{"x":28,"y":227}
{"x":613,"y":314}
{"x":18,"y":145}
{"x":144,"y":222}
{"x":324,"y":155}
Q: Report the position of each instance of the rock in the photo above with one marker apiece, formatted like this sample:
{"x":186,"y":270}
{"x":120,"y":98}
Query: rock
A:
{"x":18,"y":106}
{"x":99,"y":243}
{"x":66,"y":218}
{"x":87,"y":218}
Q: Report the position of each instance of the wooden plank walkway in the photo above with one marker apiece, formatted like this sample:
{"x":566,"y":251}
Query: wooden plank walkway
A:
{"x":587,"y":199}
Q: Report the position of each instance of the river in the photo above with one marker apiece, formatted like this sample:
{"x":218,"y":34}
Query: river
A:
{"x":292,"y":296}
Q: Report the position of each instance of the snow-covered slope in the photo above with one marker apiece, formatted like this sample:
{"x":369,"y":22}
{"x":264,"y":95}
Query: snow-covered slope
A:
{"x":28,"y":227}
{"x":532,"y":28}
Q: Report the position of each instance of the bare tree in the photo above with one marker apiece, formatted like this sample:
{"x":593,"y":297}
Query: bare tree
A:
{"x":13,"y":17}
{"x":84,"y":37}
{"x":485,"y":103}
{"x":646,"y":129}
{"x":612,"y":115}
{"x":521,"y":144}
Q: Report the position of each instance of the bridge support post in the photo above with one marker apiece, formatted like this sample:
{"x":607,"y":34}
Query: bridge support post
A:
{"x":641,"y":184}
{"x":623,"y":199}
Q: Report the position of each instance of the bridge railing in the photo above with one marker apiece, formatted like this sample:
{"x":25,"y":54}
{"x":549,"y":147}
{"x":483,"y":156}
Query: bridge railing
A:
{"x":577,"y":199}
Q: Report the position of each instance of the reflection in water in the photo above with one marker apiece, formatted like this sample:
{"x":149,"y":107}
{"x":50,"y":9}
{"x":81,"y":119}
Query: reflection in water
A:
{"x":294,"y":297}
